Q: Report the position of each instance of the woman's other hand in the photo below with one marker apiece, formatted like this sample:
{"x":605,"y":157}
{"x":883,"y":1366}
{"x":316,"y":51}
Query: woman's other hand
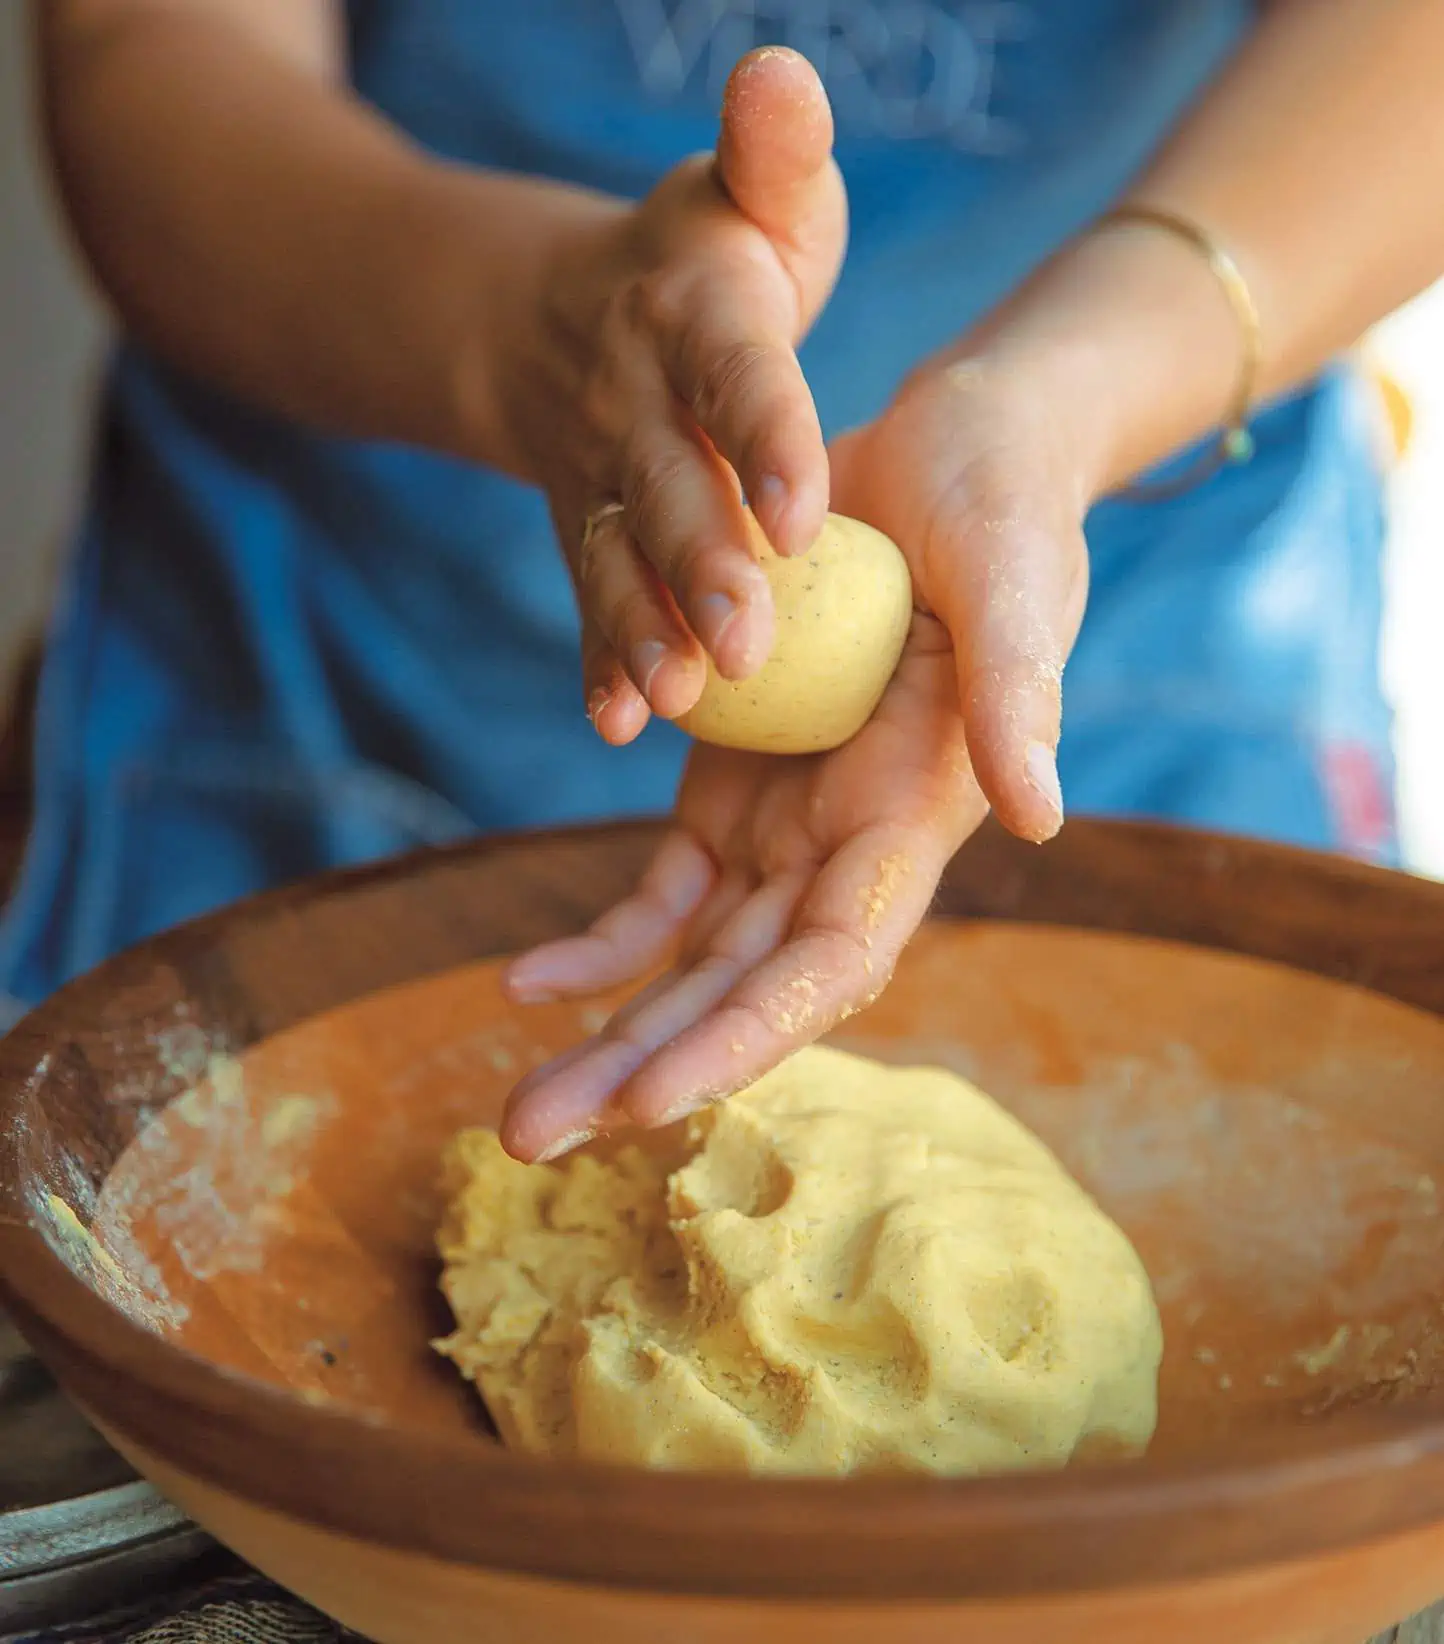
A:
{"x":665,"y":337}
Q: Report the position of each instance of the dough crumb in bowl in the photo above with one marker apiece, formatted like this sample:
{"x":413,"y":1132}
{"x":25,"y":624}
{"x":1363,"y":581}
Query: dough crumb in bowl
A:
{"x":848,"y":1268}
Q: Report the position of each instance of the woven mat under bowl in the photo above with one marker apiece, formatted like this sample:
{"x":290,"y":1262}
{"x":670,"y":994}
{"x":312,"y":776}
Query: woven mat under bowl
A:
{"x":231,"y":1609}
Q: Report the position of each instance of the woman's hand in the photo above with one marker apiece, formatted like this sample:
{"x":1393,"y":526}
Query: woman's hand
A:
{"x":664,"y":336}
{"x":791,"y":884}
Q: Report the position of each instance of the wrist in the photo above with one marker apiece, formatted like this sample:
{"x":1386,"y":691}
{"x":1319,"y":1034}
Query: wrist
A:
{"x":488,"y":252}
{"x":1126,"y":336}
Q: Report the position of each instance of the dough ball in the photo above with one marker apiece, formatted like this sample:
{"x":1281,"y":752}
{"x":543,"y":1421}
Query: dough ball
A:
{"x":852,"y":1268}
{"x":843,"y":612}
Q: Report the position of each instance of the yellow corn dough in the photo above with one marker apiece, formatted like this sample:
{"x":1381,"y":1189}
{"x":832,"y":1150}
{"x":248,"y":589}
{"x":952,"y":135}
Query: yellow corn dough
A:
{"x":850,"y":1267}
{"x":843,"y":612}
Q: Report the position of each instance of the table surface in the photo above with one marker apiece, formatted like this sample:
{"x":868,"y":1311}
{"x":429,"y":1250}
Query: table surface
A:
{"x":1423,"y":1629}
{"x":1427,"y":1628}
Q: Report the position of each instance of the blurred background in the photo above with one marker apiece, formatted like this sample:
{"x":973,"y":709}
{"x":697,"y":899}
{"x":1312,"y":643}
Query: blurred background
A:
{"x":51,"y":333}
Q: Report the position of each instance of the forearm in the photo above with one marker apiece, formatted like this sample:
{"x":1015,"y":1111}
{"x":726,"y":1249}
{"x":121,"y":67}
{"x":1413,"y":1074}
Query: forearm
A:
{"x":1315,"y":160}
{"x":254,"y":222}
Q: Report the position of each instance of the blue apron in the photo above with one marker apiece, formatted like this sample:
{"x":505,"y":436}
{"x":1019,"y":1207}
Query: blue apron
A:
{"x":278,"y":652}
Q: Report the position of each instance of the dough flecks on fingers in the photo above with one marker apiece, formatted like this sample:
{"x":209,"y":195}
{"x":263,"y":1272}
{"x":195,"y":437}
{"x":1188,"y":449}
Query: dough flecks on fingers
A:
{"x":850,"y":1267}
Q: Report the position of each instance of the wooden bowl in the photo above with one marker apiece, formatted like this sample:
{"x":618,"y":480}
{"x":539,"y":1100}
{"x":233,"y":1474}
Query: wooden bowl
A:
{"x":217,"y":1201}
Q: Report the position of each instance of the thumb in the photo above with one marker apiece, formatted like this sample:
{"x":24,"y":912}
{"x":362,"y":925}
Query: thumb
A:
{"x":992,"y":529}
{"x":774,"y":159}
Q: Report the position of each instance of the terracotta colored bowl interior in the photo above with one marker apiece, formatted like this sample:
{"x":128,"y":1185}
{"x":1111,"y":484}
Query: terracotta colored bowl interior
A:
{"x":1271,"y":1141}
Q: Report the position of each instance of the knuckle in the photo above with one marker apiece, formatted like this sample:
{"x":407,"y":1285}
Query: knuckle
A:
{"x":613,"y":360}
{"x":687,"y":569}
{"x":653,"y":302}
{"x":652,"y":476}
{"x":629,"y":617}
{"x":597,"y":398}
{"x":725,"y":378}
{"x":982,"y":505}
{"x":862,"y":961}
{"x":988,"y":494}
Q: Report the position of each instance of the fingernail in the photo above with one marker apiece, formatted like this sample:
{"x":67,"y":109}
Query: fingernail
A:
{"x":716,"y":613}
{"x":686,"y":1107}
{"x":772,"y":504}
{"x":646,"y":659}
{"x":1040,"y":766}
{"x":771,"y":494}
{"x":598,"y":703}
{"x":526,"y":988}
{"x":566,"y":1144}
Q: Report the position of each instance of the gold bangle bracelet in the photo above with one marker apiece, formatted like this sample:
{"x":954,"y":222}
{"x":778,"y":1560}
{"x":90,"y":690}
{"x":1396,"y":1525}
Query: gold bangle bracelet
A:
{"x":1235,"y":444}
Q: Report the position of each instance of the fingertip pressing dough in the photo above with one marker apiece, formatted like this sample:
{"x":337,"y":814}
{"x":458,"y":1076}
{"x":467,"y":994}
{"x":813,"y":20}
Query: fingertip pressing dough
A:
{"x":849,"y":1267}
{"x":843,"y":610}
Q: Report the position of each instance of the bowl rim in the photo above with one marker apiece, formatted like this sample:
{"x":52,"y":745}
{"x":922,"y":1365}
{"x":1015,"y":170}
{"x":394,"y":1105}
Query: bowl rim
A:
{"x":1365,"y":1475}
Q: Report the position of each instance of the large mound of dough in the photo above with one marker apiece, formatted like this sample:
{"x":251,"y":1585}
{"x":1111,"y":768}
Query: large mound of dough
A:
{"x":852,"y":1268}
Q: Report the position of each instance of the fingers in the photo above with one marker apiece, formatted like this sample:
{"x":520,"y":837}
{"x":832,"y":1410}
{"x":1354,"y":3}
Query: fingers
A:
{"x":725,"y":265}
{"x":731,"y":361}
{"x":617,"y":709}
{"x":840,"y":954}
{"x":572,"y":1098}
{"x":629,"y":939}
{"x":639,"y":626}
{"x":683,"y":506}
{"x":990,"y":517}
{"x":680,"y":504}
{"x":712,"y":281}
{"x":1008,"y":579}
{"x":774,"y":159}
{"x":791,"y":959}
{"x":561,"y":1106}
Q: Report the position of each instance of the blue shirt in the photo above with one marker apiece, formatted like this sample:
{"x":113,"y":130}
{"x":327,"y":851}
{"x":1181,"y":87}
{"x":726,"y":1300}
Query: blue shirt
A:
{"x":278,"y":651}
